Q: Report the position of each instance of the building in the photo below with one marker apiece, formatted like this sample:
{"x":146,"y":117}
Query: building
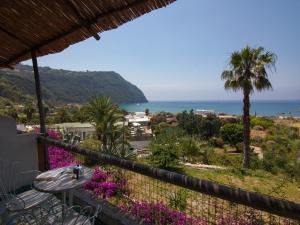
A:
{"x":83,"y":130}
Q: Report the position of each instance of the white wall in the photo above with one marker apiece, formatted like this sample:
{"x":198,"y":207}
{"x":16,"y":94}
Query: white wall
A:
{"x":18,"y":147}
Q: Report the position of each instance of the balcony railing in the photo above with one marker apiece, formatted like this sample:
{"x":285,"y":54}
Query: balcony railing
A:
{"x":184,"y":198}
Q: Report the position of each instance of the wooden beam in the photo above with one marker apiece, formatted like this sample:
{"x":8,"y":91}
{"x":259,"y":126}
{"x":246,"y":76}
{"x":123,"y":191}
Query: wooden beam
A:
{"x":38,"y":93}
{"x":81,"y":17}
{"x":41,"y":110}
{"x":71,"y":30}
{"x":14,"y":36}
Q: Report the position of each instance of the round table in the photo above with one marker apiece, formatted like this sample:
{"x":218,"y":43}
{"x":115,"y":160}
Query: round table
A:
{"x":61,"y":180}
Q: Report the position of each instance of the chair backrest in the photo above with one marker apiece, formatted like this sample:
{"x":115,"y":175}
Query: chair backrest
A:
{"x":87,"y":210}
{"x":85,"y":215}
{"x":74,"y":215}
{"x":8,"y":175}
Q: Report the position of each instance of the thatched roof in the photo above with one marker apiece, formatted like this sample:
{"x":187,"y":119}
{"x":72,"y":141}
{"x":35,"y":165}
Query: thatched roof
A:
{"x":50,"y":26}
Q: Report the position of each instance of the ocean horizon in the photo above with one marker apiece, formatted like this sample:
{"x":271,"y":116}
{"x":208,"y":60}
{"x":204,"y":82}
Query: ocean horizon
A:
{"x":234,"y":107}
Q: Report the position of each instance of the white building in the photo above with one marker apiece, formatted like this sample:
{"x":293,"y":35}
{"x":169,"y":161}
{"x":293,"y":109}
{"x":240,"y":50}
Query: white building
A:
{"x":84,"y":130}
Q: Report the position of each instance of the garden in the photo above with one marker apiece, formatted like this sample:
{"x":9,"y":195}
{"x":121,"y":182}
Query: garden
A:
{"x":154,"y":201}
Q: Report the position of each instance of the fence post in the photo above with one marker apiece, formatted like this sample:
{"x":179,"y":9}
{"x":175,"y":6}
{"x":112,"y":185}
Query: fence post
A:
{"x":41,"y":145}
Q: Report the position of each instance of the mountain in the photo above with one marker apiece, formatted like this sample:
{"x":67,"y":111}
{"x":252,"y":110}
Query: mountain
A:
{"x":65,"y":86}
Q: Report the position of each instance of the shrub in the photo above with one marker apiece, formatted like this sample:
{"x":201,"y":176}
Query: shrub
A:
{"x":293,"y":132}
{"x":189,"y":122}
{"x":239,"y":146}
{"x":189,"y":148}
{"x":232,"y":133}
{"x":210,"y":126}
{"x":261,"y":121}
{"x":158,"y":213}
{"x":164,"y":148}
{"x":216,"y":142}
{"x":91,"y":144}
{"x":179,"y":200}
{"x":164,"y":155}
{"x":227,"y":160}
{"x":159,"y":128}
{"x":58,"y":157}
{"x":207,"y":154}
{"x":105,"y":184}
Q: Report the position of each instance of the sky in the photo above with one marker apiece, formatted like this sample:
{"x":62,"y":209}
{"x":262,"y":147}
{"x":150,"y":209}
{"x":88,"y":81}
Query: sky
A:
{"x":179,"y":52}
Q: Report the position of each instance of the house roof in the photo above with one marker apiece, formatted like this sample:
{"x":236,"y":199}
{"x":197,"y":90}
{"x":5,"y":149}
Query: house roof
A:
{"x":50,"y":26}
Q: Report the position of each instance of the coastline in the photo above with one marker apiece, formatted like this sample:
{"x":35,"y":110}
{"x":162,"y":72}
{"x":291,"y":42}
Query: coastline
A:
{"x":270,"y":108}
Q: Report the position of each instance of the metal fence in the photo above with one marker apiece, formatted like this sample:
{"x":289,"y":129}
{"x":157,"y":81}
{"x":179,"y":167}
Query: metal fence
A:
{"x":162,"y":197}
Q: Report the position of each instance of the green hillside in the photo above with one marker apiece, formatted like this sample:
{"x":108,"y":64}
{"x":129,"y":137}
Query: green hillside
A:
{"x":64,"y":86}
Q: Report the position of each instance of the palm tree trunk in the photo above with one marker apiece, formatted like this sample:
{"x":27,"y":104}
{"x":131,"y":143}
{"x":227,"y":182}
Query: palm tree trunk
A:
{"x":246,"y":123}
{"x":104,"y":142}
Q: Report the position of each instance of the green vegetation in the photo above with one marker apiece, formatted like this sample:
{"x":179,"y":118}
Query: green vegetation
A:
{"x":248,"y":70}
{"x":262,"y":122}
{"x":189,"y":148}
{"x":104,"y":116}
{"x":189,"y":122}
{"x":195,"y":125}
{"x":273,"y":170}
{"x":64,"y":86}
{"x":232,"y":134}
{"x":164,"y":149}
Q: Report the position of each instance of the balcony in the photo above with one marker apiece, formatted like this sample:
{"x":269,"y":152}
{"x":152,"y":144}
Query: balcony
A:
{"x":143,"y":194}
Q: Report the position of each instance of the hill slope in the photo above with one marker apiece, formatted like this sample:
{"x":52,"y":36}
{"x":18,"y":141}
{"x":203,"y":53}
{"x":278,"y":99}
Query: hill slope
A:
{"x":64,"y":86}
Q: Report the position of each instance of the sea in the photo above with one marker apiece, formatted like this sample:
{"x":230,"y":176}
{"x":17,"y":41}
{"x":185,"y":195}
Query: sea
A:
{"x":258,"y":107}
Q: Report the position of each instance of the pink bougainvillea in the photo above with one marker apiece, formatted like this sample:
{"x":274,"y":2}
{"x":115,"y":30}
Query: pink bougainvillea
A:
{"x":105,"y":184}
{"x":58,"y":157}
{"x":158,"y":213}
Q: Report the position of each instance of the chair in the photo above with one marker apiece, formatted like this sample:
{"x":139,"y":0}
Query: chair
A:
{"x":9,"y":199}
{"x":58,"y":214}
{"x":76,"y":215}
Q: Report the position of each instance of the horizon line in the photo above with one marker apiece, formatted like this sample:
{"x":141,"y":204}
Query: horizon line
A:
{"x":218,"y":100}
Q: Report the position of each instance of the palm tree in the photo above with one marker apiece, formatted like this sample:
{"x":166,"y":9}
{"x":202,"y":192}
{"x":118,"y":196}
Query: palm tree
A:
{"x":104,"y":115}
{"x":248,"y":71}
{"x":29,"y":110}
{"x":63,"y":115}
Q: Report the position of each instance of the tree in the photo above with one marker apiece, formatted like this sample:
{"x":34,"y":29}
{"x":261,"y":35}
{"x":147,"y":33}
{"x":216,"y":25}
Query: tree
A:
{"x":189,"y":122}
{"x":232,"y":133}
{"x":189,"y":148}
{"x":210,"y":126}
{"x":164,"y":149}
{"x":248,"y":71}
{"x":29,"y":110}
{"x":13,"y":112}
{"x":63,"y":115}
{"x":147,"y":112}
{"x":104,"y":115}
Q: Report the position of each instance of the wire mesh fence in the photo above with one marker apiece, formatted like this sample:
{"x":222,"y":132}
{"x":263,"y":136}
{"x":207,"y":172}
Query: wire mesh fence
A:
{"x":156,"y":200}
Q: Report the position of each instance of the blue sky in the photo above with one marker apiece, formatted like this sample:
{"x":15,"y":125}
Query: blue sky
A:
{"x":179,"y":52}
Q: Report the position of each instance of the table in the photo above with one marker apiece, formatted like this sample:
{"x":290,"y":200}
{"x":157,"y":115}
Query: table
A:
{"x":60,"y":181}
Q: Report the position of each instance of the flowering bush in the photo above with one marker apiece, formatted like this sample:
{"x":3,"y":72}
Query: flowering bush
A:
{"x":58,"y":157}
{"x":158,"y":213}
{"x":54,"y":134}
{"x":105,"y":184}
